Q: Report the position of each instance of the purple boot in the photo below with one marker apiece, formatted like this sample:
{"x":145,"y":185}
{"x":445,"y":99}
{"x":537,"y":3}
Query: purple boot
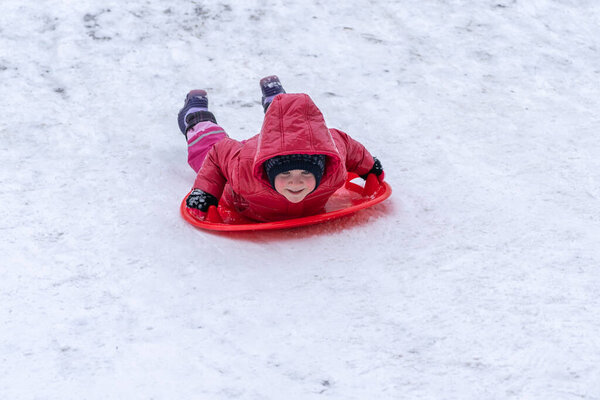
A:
{"x":271,"y":87}
{"x":195,"y":109}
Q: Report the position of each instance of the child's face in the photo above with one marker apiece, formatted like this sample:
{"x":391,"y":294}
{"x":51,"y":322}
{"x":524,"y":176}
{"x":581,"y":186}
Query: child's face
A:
{"x":295,"y":184}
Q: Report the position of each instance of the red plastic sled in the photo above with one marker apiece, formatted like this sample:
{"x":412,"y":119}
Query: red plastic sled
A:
{"x":346,"y":200}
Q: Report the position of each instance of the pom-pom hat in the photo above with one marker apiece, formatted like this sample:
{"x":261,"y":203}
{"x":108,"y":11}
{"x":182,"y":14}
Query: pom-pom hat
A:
{"x":313,"y":163}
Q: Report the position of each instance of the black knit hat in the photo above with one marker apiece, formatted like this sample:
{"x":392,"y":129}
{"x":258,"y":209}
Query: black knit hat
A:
{"x":313,"y":163}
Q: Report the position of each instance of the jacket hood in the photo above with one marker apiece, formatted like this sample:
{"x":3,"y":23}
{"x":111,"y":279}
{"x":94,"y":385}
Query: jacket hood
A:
{"x":294,"y":125}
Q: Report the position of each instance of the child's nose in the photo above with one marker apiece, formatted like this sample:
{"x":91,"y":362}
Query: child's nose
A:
{"x":297,"y":180}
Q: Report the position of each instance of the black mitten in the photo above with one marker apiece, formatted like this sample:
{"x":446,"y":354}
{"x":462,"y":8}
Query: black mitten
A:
{"x":377,"y":169}
{"x":201,"y":200}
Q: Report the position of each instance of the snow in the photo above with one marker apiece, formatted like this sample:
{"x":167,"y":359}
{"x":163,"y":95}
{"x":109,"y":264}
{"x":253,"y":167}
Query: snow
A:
{"x":477,"y":279}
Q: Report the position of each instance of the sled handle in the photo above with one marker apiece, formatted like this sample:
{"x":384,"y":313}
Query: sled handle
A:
{"x":213,"y":215}
{"x":372,"y":185}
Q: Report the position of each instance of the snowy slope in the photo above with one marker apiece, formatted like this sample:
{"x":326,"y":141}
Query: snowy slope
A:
{"x":477,"y":279}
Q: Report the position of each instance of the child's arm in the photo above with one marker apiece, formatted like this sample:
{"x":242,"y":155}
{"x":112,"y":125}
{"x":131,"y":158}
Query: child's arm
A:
{"x":212,"y":177}
{"x":358,"y":159}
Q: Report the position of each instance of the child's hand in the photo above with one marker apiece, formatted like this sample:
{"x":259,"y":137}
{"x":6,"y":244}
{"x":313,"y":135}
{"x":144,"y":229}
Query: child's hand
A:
{"x":198,"y":203}
{"x":377,"y":170}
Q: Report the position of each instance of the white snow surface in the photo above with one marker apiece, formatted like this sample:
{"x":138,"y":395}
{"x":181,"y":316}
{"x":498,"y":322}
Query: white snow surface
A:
{"x":478,"y":279}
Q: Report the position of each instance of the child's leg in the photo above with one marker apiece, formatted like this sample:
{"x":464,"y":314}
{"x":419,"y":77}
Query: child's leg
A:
{"x":201,"y":138}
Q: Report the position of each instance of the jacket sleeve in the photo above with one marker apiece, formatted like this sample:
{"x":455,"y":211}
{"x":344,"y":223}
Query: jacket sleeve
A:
{"x":217,"y":168}
{"x":357,"y":157}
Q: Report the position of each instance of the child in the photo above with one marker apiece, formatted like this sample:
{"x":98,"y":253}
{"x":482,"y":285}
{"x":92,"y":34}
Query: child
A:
{"x":289,"y":170}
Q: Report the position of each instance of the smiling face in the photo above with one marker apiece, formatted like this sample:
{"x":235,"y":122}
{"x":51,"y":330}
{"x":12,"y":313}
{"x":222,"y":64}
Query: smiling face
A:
{"x":295,"y":184}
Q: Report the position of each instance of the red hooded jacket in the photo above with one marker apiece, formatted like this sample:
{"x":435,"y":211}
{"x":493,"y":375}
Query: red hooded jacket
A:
{"x":233,"y":171}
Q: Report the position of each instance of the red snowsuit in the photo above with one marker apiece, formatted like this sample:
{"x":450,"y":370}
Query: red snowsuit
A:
{"x":233,"y":171}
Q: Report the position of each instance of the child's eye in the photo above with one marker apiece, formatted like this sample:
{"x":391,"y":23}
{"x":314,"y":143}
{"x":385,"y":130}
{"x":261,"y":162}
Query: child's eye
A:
{"x":286,"y":173}
{"x":306,"y":172}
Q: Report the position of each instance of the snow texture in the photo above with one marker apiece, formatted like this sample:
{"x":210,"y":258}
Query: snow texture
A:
{"x":478,"y":279}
